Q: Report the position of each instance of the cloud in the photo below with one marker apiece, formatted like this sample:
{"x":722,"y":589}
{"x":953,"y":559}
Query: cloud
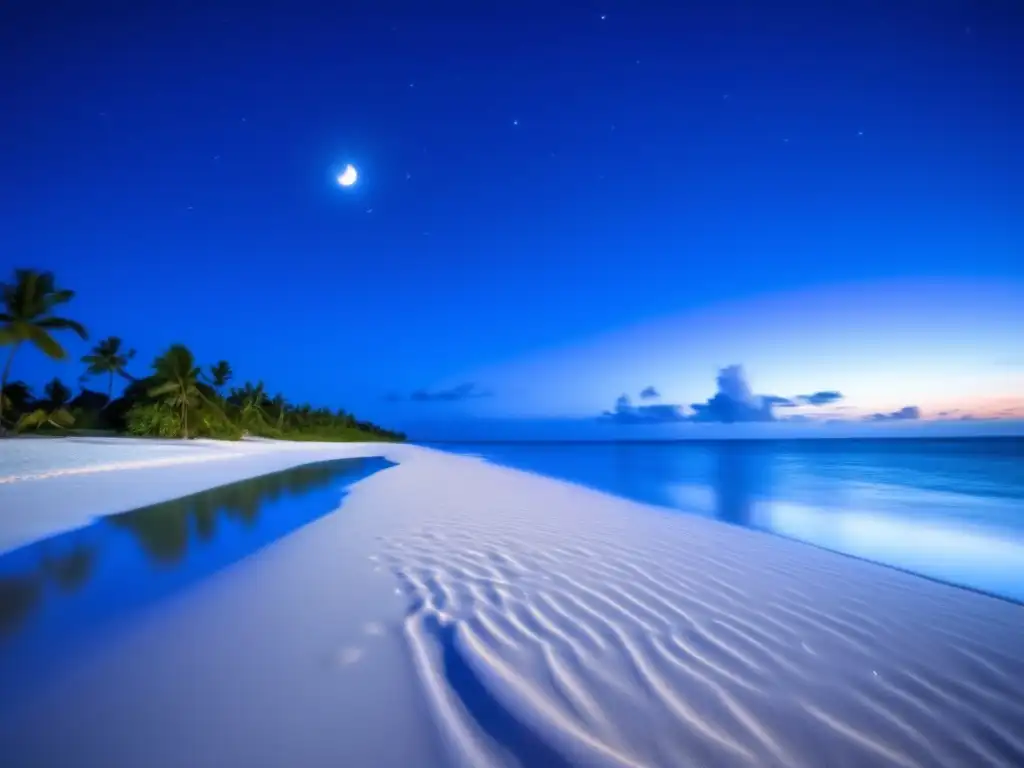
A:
{"x":627,"y":413}
{"x":734,"y":401}
{"x":907,"y":413}
{"x":815,"y":398}
{"x":820,"y":398}
{"x":467,"y":391}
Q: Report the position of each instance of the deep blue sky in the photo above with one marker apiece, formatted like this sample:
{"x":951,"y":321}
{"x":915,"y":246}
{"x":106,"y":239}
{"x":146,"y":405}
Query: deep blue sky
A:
{"x":530,"y":180}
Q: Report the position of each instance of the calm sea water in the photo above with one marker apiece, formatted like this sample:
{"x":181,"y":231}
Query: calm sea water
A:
{"x":951,"y":510}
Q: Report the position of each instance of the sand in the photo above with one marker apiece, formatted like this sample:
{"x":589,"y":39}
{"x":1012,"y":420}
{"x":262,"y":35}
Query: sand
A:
{"x":458,"y":613}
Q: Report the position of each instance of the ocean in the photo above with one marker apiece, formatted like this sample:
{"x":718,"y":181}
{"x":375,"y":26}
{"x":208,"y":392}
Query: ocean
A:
{"x":947,"y":509}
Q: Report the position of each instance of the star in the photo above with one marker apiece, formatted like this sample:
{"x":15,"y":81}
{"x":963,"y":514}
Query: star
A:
{"x":603,"y":16}
{"x":515,"y":122}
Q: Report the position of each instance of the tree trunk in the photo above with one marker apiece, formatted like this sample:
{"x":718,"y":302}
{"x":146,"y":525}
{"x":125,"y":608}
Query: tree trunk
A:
{"x":184,"y":417}
{"x":110,"y":390}
{"x":3,"y":384}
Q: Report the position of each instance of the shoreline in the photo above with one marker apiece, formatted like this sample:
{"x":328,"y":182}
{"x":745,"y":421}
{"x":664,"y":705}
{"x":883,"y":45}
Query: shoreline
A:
{"x":484,"y":614}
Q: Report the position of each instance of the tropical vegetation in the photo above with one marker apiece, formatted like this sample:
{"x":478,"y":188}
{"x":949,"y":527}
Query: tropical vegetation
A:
{"x":28,"y":318}
{"x":176,"y":397}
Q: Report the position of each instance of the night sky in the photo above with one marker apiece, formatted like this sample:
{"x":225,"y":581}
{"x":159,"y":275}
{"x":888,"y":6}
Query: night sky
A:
{"x":556,"y":206}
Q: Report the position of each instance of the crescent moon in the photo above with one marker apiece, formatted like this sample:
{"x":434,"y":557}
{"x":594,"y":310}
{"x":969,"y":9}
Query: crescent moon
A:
{"x":348,"y":177}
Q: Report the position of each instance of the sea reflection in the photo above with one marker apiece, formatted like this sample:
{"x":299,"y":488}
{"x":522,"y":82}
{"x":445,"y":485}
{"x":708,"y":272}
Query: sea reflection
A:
{"x":870,"y":521}
{"x":952,"y":510}
{"x":77,"y":580}
{"x":968,"y":555}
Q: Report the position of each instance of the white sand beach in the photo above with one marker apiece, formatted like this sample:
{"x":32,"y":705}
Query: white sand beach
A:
{"x":453,"y":612}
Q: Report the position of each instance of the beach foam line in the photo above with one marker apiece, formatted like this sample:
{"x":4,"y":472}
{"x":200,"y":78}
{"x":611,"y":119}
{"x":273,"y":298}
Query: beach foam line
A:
{"x":118,"y":465}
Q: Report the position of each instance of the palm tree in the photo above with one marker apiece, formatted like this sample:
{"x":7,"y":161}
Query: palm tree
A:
{"x":16,"y":397}
{"x":220,"y":374}
{"x":53,"y":411}
{"x":280,"y":406}
{"x":107,"y":358}
{"x":250,"y":400}
{"x":178,"y":374}
{"x":27,"y":316}
{"x":5,"y":404}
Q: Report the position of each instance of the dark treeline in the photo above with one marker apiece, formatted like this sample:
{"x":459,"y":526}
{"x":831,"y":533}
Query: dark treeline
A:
{"x":176,"y":398}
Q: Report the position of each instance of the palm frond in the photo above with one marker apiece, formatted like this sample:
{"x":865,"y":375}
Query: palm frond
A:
{"x":167,"y":388}
{"x":61,"y":418}
{"x":36,"y":419}
{"x":63,"y":324}
{"x":46,"y":343}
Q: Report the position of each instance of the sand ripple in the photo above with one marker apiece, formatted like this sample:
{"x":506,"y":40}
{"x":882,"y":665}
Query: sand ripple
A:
{"x":563,"y":627}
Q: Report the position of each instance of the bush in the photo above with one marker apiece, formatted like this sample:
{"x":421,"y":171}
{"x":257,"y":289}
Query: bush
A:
{"x":206,"y":424}
{"x":87,"y":419}
{"x":154,"y":419}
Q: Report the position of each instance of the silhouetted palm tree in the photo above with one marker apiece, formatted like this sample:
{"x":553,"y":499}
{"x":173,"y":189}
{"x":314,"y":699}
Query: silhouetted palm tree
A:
{"x":178,"y":377}
{"x":16,"y":398}
{"x":27,"y":316}
{"x":107,"y":358}
{"x":250,"y":399}
{"x":220,"y":374}
{"x":280,"y":406}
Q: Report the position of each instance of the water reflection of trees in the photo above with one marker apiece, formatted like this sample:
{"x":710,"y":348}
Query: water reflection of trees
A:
{"x":164,"y":530}
{"x":21,"y":594}
{"x":71,"y":571}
